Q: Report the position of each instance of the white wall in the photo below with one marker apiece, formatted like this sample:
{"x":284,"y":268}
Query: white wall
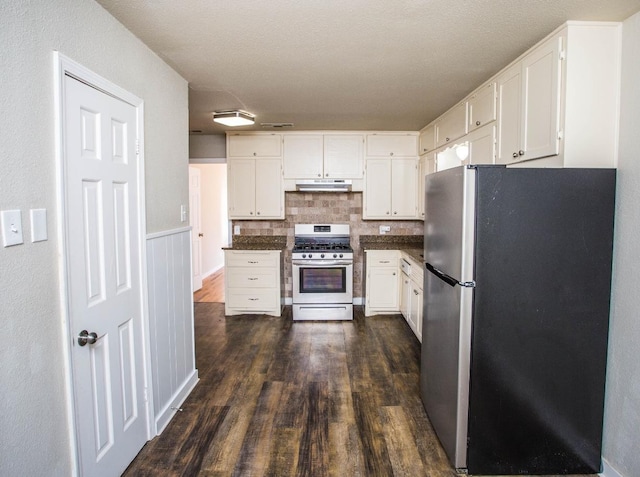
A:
{"x":207,"y":146}
{"x":622,"y":410}
{"x":33,"y":406}
{"x":215,"y":224}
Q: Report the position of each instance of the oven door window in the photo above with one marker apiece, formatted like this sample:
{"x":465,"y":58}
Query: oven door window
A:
{"x":323,"y":280}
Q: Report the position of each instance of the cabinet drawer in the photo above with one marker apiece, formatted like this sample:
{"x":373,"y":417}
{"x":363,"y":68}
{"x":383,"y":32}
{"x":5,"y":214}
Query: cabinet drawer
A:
{"x":252,"y":299}
{"x":251,"y":277}
{"x":236,"y":258}
{"x":383,"y":258}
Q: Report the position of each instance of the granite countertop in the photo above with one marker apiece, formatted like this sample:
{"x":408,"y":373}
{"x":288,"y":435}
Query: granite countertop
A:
{"x":411,"y":244}
{"x":258,"y":242}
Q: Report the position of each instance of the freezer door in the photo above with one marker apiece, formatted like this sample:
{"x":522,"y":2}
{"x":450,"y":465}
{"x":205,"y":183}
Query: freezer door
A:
{"x":444,"y":378}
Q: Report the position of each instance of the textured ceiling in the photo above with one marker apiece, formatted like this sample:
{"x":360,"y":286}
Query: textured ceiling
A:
{"x":343,"y":64}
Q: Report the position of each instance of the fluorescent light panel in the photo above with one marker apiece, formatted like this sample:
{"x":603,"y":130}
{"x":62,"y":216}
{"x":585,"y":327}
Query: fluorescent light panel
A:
{"x":233,"y":118}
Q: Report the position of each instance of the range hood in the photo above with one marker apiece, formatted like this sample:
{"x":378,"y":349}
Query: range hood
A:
{"x":324,"y":185}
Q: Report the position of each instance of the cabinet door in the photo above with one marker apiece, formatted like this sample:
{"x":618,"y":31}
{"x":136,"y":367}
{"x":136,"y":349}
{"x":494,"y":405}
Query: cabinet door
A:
{"x":343,"y":156}
{"x":269,"y":193}
{"x":404,"y":188}
{"x":382,"y":288}
{"x":509,"y":95}
{"x":377,"y":189}
{"x":254,"y":145}
{"x":302,"y":156}
{"x":387,"y":145}
{"x":541,"y":101}
{"x":241,"y":188}
{"x":415,"y":310}
{"x":428,"y":139}
{"x":427,"y":166}
{"x":405,"y":296}
{"x":452,"y":125}
{"x":482,"y":107}
{"x":482,"y":145}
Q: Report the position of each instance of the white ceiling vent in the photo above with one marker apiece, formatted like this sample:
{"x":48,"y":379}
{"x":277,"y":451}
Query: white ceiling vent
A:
{"x":276,"y":125}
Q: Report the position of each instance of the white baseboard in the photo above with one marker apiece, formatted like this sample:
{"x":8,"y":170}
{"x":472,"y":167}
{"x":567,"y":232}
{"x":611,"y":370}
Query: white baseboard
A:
{"x":164,"y":416}
{"x":608,"y":470}
{"x":212,"y":271}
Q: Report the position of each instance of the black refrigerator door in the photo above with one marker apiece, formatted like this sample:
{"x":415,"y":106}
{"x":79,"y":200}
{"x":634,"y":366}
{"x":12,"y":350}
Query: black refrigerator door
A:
{"x":543,"y":270}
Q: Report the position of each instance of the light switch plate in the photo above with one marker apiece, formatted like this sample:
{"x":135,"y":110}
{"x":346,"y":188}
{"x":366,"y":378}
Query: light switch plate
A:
{"x":11,"y":227}
{"x":38,"y":225}
{"x":384,"y":229}
{"x":236,"y":230}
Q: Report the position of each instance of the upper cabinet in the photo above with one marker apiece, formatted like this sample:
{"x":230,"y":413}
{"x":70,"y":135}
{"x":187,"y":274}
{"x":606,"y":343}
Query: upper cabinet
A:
{"x":427,"y":139}
{"x":555,"y":106}
{"x":328,"y":156}
{"x":254,"y":145}
{"x":392,"y":145}
{"x":482,"y":107}
{"x":452,"y":124}
{"x":529,"y":99}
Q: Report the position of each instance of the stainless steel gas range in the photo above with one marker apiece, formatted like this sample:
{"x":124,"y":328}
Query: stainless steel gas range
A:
{"x":322,"y":261}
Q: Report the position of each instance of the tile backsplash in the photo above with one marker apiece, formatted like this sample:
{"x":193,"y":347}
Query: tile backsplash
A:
{"x":330,"y":208}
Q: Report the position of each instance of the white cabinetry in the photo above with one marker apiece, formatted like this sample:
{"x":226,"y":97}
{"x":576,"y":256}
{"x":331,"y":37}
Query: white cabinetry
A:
{"x":392,"y":145}
{"x":254,"y":176}
{"x":329,"y":156}
{"x":426,"y":166}
{"x":452,"y":124}
{"x":411,"y":293}
{"x":391,"y":177}
{"x":482,"y":106}
{"x":391,"y":188}
{"x":427,"y":139}
{"x":529,"y":99}
{"x":252,"y":282}
{"x":255,"y":188}
{"x":254,"y":145}
{"x":382,"y":284}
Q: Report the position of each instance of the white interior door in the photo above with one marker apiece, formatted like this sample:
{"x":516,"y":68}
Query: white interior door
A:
{"x":195,"y":219}
{"x":104,"y":287}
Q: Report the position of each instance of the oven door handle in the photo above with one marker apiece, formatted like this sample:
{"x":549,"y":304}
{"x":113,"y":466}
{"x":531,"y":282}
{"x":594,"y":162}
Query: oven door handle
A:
{"x":322,"y":263}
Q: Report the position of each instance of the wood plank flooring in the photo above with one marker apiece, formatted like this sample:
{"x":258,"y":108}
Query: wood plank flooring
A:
{"x":278,"y":398}
{"x":212,"y":290}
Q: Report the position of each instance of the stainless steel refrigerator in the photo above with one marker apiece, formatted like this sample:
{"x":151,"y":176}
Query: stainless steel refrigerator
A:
{"x":516,"y":311}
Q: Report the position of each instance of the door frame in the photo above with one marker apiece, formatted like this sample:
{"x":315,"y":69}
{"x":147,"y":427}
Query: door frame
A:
{"x":64,"y":66}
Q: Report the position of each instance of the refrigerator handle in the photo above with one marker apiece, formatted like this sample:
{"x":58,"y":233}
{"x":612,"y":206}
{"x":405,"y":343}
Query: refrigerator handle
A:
{"x":449,"y":280}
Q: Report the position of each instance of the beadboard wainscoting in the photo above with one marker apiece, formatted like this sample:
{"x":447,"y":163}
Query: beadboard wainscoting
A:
{"x":170,"y":321}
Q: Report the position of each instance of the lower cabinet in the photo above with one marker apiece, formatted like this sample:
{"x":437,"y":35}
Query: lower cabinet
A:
{"x":382,"y":284}
{"x":253,"y":282}
{"x":411,"y":296}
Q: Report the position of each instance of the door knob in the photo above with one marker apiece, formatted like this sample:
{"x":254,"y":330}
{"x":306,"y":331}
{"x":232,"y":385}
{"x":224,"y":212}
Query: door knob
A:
{"x":87,"y":338}
{"x":200,"y":235}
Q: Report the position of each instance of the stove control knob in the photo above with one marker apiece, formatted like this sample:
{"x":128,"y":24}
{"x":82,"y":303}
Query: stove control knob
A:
{"x":322,"y":255}
{"x":304,"y":255}
{"x":335,"y":255}
{"x":310,"y":255}
{"x":341,"y":255}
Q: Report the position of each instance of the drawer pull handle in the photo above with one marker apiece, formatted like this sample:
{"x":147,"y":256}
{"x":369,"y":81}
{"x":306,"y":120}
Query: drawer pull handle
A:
{"x":251,"y":261}
{"x":252,"y":279}
{"x":384,"y":261}
{"x":254,"y":299}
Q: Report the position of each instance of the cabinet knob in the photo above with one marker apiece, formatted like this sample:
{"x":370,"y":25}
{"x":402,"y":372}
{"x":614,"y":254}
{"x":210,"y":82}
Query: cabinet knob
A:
{"x":250,"y":213}
{"x":387,"y":212}
{"x":477,"y":123}
{"x":415,"y":292}
{"x":391,"y":153}
{"x":515,"y":154}
{"x":255,"y":154}
{"x":319,"y":175}
{"x":447,"y":139}
{"x":257,"y":213}
{"x":395,"y":212}
{"x":394,"y":274}
{"x":327,"y":174}
{"x":521,"y":153}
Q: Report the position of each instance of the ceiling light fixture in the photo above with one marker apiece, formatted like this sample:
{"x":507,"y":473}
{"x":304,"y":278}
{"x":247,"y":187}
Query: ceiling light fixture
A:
{"x":233,"y":118}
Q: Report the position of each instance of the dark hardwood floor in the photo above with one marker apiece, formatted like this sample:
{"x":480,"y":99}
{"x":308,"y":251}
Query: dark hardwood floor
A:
{"x":278,"y":398}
